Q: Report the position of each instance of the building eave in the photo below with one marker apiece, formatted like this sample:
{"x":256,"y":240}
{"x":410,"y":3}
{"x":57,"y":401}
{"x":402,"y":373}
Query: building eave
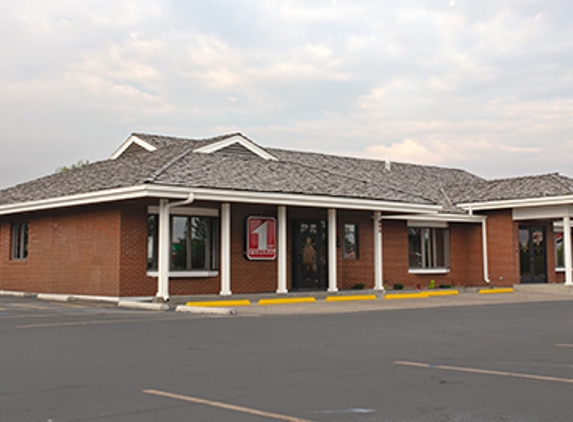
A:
{"x":218,"y":195}
{"x":447,"y":218}
{"x":517,"y":203}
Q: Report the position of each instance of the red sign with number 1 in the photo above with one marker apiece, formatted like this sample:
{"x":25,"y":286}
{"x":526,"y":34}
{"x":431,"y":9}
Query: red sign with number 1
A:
{"x":261,"y":238}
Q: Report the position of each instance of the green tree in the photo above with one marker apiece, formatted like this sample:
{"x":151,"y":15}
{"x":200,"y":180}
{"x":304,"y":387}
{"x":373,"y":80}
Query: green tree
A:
{"x":81,"y":163}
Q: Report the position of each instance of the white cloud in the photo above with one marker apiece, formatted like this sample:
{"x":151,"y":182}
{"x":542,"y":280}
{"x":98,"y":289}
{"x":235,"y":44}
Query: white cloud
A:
{"x":478,"y":85}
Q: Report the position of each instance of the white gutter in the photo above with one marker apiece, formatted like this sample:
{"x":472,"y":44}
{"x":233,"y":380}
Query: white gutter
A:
{"x":175,"y":193}
{"x":518,"y":203}
{"x":163,"y":255}
{"x":111,"y":195}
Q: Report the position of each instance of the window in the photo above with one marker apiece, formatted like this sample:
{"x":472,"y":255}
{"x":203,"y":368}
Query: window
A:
{"x":428,"y":248}
{"x":20,"y":241}
{"x":194,"y":243}
{"x":350,"y":245}
{"x":559,"y":249}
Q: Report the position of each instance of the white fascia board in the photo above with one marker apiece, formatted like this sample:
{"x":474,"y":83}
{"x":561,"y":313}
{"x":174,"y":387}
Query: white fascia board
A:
{"x":182,"y":193}
{"x":130,"y":141}
{"x":255,"y":149}
{"x":518,"y":203}
{"x":111,"y":195}
{"x":315,"y":201}
{"x":446,"y":218}
{"x":542,"y":213}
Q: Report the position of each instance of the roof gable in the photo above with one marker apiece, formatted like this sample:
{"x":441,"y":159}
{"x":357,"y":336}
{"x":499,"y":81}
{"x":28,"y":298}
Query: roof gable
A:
{"x":236,"y":145}
{"x":133,"y":143}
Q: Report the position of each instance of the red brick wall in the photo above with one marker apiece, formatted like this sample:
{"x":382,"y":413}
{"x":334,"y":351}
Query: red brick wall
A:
{"x":465,"y":257}
{"x":354,"y":271}
{"x":69,"y":251}
{"x":101,"y":250}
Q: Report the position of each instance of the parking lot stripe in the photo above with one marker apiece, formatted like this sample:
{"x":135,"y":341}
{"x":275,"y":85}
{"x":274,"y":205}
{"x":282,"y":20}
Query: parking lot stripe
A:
{"x":392,"y":296}
{"x":484,"y":371}
{"x":493,"y":291}
{"x":563,"y":345}
{"x":349,"y":298}
{"x":287,"y":301}
{"x":220,"y":303}
{"x":226,"y":406}
{"x":93,"y":322}
{"x":443,"y":293}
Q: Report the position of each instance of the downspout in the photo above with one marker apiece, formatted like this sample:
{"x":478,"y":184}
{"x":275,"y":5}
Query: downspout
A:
{"x":163,"y":258}
{"x":484,"y":248}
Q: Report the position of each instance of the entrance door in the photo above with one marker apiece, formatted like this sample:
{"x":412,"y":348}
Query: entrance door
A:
{"x":309,"y":254}
{"x":532,"y":254}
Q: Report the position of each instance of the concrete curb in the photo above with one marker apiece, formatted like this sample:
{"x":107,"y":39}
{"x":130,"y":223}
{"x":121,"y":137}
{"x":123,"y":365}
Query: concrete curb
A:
{"x":205,"y":310}
{"x":143,"y":305}
{"x":53,"y":297}
{"x":10,"y":293}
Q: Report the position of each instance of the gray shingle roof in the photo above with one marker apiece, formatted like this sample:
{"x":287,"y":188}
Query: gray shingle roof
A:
{"x":175,"y":163}
{"x":546,"y":185}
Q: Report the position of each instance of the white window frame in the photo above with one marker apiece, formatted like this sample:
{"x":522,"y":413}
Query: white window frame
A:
{"x":431,"y":226}
{"x":20,"y":241}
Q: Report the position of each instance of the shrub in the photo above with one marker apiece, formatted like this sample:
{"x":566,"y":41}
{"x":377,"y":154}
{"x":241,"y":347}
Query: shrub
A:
{"x":398,"y":286}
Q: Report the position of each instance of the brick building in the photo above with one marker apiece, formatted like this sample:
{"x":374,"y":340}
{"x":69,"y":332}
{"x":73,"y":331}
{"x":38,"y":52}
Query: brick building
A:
{"x":171,"y":216}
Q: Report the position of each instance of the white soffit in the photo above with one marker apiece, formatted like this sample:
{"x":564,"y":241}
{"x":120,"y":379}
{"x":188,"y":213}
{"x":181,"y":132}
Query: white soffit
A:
{"x":132,"y":140}
{"x":542,"y":213}
{"x":255,"y":149}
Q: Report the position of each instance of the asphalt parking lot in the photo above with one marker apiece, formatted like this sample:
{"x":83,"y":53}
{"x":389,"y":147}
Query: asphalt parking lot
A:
{"x":505,"y":357}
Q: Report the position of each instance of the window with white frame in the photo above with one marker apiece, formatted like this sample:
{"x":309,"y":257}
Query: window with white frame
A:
{"x":559,"y":248}
{"x":194,"y":243}
{"x":19,"y":241}
{"x":350,"y":245}
{"x":428,"y":248}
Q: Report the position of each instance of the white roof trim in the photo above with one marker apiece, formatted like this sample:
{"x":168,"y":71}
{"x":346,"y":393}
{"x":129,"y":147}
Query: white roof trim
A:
{"x":237,"y":139}
{"x":315,"y":201}
{"x":180,"y":193}
{"x":130,"y":141}
{"x":518,"y":203}
{"x":446,"y":218}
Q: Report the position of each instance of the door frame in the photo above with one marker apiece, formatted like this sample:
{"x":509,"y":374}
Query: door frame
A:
{"x":530,"y":258}
{"x":297,"y":282}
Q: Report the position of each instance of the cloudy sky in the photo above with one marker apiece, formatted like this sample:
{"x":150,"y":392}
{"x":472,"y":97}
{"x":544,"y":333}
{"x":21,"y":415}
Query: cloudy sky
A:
{"x":482,"y":85}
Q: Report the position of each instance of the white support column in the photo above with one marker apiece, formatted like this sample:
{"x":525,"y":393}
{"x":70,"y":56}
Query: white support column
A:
{"x":378,"y":277}
{"x":332,"y":276}
{"x":484,"y":250}
{"x":225,"y":249}
{"x":567,"y":251}
{"x":163,"y":251}
{"x":282,"y":250}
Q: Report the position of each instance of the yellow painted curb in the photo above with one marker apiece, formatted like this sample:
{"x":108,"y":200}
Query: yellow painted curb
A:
{"x":444,"y":293}
{"x":349,"y":298}
{"x":220,"y":303}
{"x":286,"y":301}
{"x":406,"y":296}
{"x":491,"y":291}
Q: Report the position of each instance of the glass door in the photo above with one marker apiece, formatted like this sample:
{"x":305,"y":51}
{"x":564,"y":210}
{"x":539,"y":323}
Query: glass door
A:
{"x":309,"y":254}
{"x":532,"y":254}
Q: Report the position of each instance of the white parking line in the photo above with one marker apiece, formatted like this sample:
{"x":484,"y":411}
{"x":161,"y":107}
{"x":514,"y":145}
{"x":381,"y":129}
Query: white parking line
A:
{"x":93,"y":322}
{"x":563,"y":345}
{"x":484,"y":371}
{"x":226,"y":406}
